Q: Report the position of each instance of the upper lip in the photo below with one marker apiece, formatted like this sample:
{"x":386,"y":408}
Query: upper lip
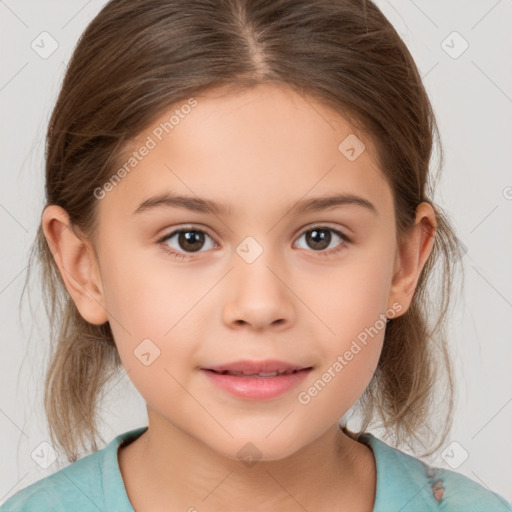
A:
{"x":253,"y":367}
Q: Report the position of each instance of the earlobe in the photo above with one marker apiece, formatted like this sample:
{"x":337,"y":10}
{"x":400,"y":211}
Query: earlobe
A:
{"x":412,"y":255}
{"x":77,"y":264}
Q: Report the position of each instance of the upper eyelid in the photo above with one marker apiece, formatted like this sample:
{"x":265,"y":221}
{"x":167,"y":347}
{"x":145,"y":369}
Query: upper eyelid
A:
{"x":185,"y":227}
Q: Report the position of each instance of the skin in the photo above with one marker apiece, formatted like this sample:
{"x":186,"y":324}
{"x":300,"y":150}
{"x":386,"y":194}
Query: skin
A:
{"x":258,"y":150}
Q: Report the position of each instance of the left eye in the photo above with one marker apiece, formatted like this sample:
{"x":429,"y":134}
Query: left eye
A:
{"x":319,"y":238}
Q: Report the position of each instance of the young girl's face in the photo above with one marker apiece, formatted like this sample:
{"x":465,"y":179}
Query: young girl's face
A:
{"x":253,"y":281}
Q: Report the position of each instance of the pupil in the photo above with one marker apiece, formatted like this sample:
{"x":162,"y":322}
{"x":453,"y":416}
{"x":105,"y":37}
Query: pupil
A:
{"x":194,"y":240}
{"x":321,"y":238}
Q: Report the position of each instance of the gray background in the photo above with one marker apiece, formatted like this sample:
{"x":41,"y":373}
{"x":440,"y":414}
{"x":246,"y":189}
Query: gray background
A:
{"x":472,"y":98}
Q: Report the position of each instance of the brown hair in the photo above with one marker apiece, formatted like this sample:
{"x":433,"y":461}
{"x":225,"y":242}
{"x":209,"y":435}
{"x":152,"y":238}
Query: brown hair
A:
{"x":137,"y":58}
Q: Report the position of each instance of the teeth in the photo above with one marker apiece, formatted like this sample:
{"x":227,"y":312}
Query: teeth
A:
{"x":260,"y":374}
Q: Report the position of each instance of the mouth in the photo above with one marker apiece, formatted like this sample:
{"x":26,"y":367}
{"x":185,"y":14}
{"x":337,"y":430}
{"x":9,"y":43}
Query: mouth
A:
{"x":257,"y":380}
{"x":267,"y":368}
{"x":258,"y":374}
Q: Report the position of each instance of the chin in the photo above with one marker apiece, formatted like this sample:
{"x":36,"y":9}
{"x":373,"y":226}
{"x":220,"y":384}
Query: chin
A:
{"x":252,"y":449}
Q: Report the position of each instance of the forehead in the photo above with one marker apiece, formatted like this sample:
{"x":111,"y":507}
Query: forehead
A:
{"x":251,"y":149}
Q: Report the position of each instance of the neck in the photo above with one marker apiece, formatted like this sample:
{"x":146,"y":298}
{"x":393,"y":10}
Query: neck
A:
{"x":171,"y":470}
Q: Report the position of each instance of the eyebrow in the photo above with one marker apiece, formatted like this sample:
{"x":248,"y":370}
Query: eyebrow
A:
{"x":202,"y":205}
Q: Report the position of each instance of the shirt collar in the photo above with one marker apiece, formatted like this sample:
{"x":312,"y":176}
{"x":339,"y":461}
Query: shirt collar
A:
{"x":114,"y":490}
{"x":402,"y":481}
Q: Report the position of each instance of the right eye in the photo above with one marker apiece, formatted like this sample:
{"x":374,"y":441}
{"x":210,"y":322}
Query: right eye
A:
{"x":187,"y":240}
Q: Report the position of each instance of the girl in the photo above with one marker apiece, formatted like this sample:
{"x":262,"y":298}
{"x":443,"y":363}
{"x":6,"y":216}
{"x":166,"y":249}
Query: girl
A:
{"x":239,"y":213}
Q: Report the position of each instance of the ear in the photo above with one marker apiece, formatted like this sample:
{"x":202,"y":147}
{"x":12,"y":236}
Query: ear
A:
{"x":77,"y":264}
{"x":411,"y":256}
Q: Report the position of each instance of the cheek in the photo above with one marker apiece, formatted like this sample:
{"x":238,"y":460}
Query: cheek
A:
{"x":349,"y":356}
{"x":148,"y":318}
{"x":156,"y":334}
{"x":144,"y":294}
{"x":357,"y":290}
{"x":353,"y":306}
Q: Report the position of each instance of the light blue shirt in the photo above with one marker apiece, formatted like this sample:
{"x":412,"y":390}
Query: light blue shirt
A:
{"x":404,"y":484}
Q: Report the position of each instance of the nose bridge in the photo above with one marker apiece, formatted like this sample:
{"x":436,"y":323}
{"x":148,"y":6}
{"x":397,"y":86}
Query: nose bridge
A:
{"x":258,"y":296}
{"x":256,"y":264}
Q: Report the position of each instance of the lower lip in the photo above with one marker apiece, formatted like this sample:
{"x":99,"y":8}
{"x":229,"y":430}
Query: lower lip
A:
{"x":257,"y":388}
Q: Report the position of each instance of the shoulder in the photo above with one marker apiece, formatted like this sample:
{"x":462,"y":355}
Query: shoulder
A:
{"x":87,"y":484}
{"x":70,"y":488}
{"x":408,"y":484}
{"x":462,"y":493}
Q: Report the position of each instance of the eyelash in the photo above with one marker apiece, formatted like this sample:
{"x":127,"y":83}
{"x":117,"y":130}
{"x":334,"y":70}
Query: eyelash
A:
{"x":186,"y":256}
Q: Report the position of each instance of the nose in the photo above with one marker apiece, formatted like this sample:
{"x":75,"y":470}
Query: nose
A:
{"x":258,"y":296}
